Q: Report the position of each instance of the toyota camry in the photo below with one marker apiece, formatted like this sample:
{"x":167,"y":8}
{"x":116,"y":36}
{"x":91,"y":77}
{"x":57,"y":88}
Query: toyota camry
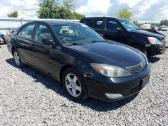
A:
{"x":80,"y":59}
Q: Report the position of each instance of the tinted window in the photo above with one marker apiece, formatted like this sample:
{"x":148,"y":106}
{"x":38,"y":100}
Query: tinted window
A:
{"x":27,"y":31}
{"x":76,"y":34}
{"x":43,"y":33}
{"x":97,"y":24}
{"x":112,"y":26}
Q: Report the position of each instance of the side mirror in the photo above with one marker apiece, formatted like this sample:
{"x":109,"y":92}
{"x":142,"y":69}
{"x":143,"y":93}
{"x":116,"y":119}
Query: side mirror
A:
{"x":48,"y":42}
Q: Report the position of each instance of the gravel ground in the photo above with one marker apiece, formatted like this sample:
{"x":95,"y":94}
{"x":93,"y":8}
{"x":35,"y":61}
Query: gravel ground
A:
{"x":28,"y":97}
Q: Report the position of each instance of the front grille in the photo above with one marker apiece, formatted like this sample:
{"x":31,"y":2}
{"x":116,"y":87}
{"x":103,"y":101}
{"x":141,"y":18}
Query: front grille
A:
{"x":136,"y":68}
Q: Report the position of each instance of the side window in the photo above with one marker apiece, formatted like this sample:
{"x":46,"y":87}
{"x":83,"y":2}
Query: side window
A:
{"x":89,"y":22}
{"x":43,"y":34}
{"x":27,"y":31}
{"x":112,"y":26}
{"x":97,"y":24}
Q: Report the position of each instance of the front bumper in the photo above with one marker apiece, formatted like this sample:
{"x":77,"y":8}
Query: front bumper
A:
{"x":114,"y":89}
{"x":157,"y":49}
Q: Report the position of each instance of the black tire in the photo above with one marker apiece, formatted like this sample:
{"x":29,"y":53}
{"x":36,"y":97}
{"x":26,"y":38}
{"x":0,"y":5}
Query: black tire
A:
{"x":17,"y":59}
{"x":83,"y":95}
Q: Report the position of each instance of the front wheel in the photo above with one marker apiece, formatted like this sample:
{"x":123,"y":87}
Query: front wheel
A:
{"x":74,"y":84}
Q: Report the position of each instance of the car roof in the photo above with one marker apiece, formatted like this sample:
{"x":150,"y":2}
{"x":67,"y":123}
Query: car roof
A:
{"x":108,"y":17}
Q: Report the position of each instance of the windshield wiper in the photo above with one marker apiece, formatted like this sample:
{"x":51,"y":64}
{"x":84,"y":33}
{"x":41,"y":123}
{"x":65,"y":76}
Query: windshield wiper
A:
{"x":96,"y":41}
{"x":74,"y":44}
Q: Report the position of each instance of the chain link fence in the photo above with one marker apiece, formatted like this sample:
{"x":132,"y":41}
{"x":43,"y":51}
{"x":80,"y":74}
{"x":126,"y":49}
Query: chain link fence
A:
{"x":9,"y":24}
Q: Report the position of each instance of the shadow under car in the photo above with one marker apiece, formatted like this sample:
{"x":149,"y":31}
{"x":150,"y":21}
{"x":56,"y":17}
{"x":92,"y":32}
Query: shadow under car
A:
{"x":54,"y":85}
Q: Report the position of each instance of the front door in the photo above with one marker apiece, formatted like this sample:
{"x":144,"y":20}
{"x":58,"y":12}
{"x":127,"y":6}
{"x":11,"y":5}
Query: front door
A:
{"x":114,"y":31}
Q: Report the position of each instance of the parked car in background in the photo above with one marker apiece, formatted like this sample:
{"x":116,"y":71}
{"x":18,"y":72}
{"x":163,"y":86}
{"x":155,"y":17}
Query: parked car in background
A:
{"x":146,"y":26}
{"x":80,"y":58}
{"x":153,"y":29}
{"x":2,"y":39}
{"x":163,"y":28}
{"x":124,"y":31}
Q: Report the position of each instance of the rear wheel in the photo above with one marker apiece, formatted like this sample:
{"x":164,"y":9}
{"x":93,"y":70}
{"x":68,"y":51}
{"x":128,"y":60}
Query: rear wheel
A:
{"x":17,"y":59}
{"x":74,"y":84}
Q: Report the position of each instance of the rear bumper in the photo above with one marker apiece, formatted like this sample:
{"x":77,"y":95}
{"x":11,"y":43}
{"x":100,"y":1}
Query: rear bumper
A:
{"x":114,"y":89}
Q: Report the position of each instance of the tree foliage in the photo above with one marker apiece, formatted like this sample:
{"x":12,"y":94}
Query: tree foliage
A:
{"x":125,"y":13}
{"x":164,"y":22}
{"x":13,"y":14}
{"x":55,"y":10}
{"x":68,"y":4}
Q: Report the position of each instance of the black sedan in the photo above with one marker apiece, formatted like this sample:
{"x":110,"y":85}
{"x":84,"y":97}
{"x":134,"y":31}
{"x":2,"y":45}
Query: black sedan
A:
{"x":80,"y":59}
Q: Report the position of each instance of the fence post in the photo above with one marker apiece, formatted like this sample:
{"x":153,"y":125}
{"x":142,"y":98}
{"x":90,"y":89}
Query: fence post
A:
{"x":21,"y":21}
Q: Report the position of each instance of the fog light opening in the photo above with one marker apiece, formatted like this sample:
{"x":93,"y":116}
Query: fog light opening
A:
{"x":114,"y":96}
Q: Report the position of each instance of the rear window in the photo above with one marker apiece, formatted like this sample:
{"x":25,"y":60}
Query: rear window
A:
{"x":27,"y":31}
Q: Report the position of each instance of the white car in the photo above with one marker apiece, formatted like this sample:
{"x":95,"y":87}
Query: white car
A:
{"x":163,"y":28}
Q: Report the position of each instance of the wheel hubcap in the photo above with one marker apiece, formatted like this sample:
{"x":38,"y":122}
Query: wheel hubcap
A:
{"x":16,"y":58}
{"x":73,"y":85}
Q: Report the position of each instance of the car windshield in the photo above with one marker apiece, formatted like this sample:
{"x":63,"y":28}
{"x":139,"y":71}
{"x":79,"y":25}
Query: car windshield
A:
{"x":76,"y":34}
{"x":129,"y":26}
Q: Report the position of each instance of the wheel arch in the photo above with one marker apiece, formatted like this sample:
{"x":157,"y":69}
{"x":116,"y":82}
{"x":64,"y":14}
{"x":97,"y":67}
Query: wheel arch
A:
{"x":63,"y":69}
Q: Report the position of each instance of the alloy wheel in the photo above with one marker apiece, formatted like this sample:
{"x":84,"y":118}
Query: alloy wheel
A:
{"x":16,"y":58}
{"x":73,"y":85}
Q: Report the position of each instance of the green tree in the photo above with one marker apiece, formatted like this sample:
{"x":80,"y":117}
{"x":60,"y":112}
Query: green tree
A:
{"x":125,"y":13}
{"x":47,"y":9}
{"x":13,"y":14}
{"x":68,"y":4}
{"x":77,"y":16}
{"x":163,"y":22}
{"x":55,"y":10}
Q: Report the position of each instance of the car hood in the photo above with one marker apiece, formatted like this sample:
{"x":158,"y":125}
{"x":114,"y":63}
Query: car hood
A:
{"x":150,"y":34}
{"x":110,"y":53}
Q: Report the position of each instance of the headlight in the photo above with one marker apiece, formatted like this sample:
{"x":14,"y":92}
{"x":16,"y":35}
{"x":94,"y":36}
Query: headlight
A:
{"x":154,"y":41}
{"x":110,"y":71}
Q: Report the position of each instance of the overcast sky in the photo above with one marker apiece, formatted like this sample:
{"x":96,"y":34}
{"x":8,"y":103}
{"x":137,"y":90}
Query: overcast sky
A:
{"x":152,"y":10}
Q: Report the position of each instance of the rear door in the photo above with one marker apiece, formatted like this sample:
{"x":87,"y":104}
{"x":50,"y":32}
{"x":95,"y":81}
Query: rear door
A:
{"x":40,"y":49}
{"x":97,"y":24}
{"x":24,"y":41}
